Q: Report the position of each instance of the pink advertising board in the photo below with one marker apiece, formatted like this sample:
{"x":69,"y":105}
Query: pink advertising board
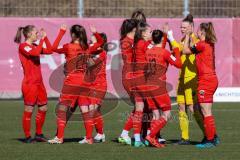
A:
{"x":227,"y":52}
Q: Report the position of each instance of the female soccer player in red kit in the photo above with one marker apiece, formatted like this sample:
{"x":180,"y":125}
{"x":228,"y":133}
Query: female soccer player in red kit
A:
{"x":74,"y":88}
{"x":133,"y":49}
{"x":33,"y":90}
{"x":139,"y":16}
{"x":158,"y":60}
{"x":140,"y":44}
{"x":207,"y":78}
{"x":97,"y":72}
{"x":127,"y":32}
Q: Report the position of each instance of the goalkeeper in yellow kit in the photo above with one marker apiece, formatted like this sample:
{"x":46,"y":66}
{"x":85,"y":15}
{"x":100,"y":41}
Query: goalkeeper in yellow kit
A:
{"x":187,"y":85}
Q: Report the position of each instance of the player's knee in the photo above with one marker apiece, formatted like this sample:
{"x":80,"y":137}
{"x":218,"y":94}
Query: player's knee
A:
{"x":97,"y":107}
{"x":166,"y":115}
{"x":206,"y":110}
{"x":84,"y":109}
{"x":139,"y":106}
{"x":43,"y":108}
{"x":207,"y":113}
{"x":91,"y":107}
{"x":156,"y":114}
{"x":62,"y":108}
{"x":181,"y":107}
{"x":191,"y":108}
{"x":28,"y":108}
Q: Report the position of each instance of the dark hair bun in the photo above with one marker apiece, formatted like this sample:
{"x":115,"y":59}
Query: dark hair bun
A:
{"x":157,"y":36}
{"x":188,"y":18}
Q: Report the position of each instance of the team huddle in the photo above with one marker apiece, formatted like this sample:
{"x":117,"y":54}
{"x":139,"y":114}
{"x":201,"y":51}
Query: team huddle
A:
{"x":145,"y":63}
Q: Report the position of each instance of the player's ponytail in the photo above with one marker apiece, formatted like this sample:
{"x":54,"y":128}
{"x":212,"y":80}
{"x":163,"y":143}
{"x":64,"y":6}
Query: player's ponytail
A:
{"x":23,"y":30}
{"x":139,"y":16}
{"x":127,"y":26}
{"x":210,"y":35}
{"x":18,"y":36}
{"x":141,"y":27}
{"x":79,"y":32}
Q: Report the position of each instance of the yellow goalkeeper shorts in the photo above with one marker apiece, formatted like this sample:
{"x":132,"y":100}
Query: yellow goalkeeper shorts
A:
{"x":186,"y":91}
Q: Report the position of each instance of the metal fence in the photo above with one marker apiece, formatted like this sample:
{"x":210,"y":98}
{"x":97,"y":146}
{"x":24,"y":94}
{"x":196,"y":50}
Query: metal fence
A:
{"x":118,"y":8}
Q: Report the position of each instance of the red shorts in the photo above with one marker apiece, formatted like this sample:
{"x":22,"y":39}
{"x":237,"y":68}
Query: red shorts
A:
{"x":162,"y":102}
{"x":127,"y":80}
{"x":137,"y":85}
{"x":98,"y":91}
{"x":143,"y":92}
{"x":73,"y":100}
{"x":76,"y":79}
{"x":206,"y":89}
{"x":75,"y":91}
{"x":34,"y":94}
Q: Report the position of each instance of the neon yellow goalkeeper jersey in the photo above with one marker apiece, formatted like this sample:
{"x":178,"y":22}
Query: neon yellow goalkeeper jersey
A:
{"x":188,"y":70}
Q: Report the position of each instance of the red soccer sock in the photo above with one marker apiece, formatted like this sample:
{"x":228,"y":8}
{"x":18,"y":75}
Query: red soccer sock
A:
{"x":98,"y":120}
{"x":61,"y":123}
{"x":26,"y":123}
{"x":210,"y":128}
{"x":137,"y":122}
{"x":129,"y":123}
{"x":40,"y":118}
{"x":88,"y":124}
{"x":156,"y":126}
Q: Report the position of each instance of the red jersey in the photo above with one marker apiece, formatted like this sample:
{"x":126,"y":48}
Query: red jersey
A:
{"x":73,"y":50}
{"x":97,"y":72}
{"x":142,"y":46}
{"x":98,"y":86}
{"x":162,"y":57}
{"x":29,"y":56}
{"x":101,"y":59}
{"x":140,"y":51}
{"x":127,"y":49}
{"x":205,"y":58}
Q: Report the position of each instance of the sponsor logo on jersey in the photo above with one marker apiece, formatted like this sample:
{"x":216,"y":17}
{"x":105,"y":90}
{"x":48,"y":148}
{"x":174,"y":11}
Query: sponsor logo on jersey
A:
{"x":27,"y":48}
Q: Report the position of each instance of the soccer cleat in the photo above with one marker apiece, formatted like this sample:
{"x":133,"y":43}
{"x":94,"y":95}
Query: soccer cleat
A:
{"x":40,"y":138}
{"x":154,"y":142}
{"x":206,"y":144}
{"x":161,"y":140}
{"x":99,"y":138}
{"x":28,"y":140}
{"x":138,"y":144}
{"x":216,"y":140}
{"x":86,"y":141}
{"x":146,"y":143}
{"x":125,"y":140}
{"x":55,"y":140}
{"x":183,"y":142}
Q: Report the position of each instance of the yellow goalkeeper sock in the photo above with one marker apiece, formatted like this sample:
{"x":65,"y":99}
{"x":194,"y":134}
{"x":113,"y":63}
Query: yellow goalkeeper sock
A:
{"x":184,"y":123}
